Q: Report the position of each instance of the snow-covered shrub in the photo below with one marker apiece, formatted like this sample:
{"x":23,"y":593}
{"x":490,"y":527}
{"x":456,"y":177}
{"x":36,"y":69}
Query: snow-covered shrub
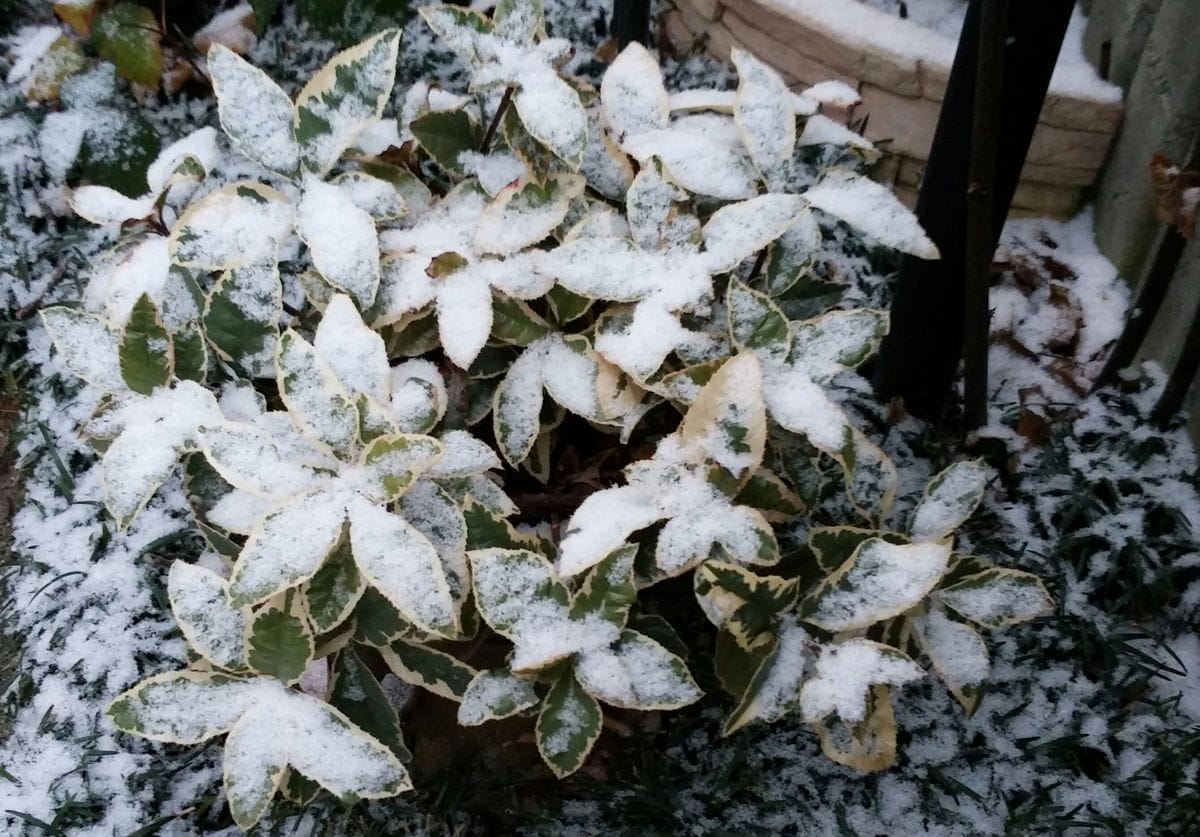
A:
{"x":319,"y":354}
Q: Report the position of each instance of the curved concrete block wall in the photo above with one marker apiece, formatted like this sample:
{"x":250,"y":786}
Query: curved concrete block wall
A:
{"x":900,"y":70}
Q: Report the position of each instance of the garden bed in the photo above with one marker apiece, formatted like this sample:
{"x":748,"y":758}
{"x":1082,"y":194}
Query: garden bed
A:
{"x":1079,"y":727}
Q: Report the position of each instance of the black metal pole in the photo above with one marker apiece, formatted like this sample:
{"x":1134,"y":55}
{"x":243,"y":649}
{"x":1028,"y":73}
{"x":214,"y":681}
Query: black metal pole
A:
{"x":981,"y":222}
{"x":919,"y":358}
{"x":631,"y":22}
{"x":1182,"y":375}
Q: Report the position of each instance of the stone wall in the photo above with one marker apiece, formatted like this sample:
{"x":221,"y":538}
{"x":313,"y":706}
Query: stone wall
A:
{"x":900,"y":70}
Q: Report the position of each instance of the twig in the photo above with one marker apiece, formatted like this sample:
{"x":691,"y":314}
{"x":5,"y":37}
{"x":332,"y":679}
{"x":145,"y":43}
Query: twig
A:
{"x":495,"y":124}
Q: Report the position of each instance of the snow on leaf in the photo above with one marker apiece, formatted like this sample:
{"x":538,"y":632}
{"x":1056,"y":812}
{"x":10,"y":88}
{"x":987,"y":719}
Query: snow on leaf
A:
{"x":255,"y":113}
{"x":601,"y":524}
{"x":698,"y":163}
{"x":518,"y":20}
{"x":741,"y":533}
{"x":198,"y":601}
{"x":998,"y":597}
{"x":736,"y":231}
{"x":958,"y":653}
{"x":551,"y":112}
{"x":950,"y":498}
{"x":605,"y":268}
{"x":341,"y":239}
{"x":568,"y":725}
{"x":461,"y":29}
{"x":191,"y":157}
{"x":836,"y":341}
{"x":435,"y":514}
{"x":765,"y":117}
{"x":291,"y":729}
{"x":313,"y":395}
{"x":637,"y":673}
{"x":102,"y":205}
{"x":231,"y":226}
{"x":774,"y":690}
{"x":728,"y":419}
{"x":251,"y":459}
{"x":183,"y":707}
{"x":656,"y":220}
{"x":608,"y":589}
{"x":463,"y":456}
{"x":344,"y":99}
{"x":872,"y":209}
{"x":844,"y":674}
{"x":494,"y":695}
{"x":880,"y":580}
{"x":241,"y":315}
{"x":390,"y":464}
{"x":374,"y":196}
{"x":757,"y":324}
{"x":288,"y":548}
{"x":464,"y":309}
{"x":402,"y":564}
{"x":354,"y":353}
{"x":156,"y":431}
{"x":87,"y":345}
{"x":525,"y":213}
{"x":869,"y":745}
{"x":633,"y":99}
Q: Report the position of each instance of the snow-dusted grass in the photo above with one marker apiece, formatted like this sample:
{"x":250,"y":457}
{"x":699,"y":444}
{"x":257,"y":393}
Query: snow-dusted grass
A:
{"x":1105,"y":512}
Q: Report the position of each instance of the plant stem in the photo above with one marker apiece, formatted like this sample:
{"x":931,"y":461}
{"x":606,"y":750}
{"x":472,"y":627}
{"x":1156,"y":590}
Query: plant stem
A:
{"x":495,"y":124}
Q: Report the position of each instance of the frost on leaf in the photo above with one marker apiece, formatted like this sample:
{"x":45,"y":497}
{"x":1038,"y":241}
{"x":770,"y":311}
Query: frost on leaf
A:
{"x":525,"y":213}
{"x":872,"y":209}
{"x":949,"y":500}
{"x":241,"y":315}
{"x":880,"y":580}
{"x":633,"y":98}
{"x":314,"y":397}
{"x":958,"y":653}
{"x":774,"y":690}
{"x":568,"y":725}
{"x":728,"y":419}
{"x":637,"y":673}
{"x":87,"y":345}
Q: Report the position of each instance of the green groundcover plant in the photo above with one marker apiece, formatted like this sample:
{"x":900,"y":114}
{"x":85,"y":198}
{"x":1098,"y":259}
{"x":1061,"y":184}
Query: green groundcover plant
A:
{"x":623,"y":252}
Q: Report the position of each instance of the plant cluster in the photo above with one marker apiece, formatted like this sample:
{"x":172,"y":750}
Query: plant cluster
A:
{"x":623,"y":251}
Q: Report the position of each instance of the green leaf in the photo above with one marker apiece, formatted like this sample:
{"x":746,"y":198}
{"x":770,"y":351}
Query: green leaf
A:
{"x":128,"y":35}
{"x":745,"y":604}
{"x":494,"y":695}
{"x":774,"y":690}
{"x":445,"y":135}
{"x":833,"y":545}
{"x":951,"y":497}
{"x":279,"y":644}
{"x":163,"y":707}
{"x":735,"y":666}
{"x":118,"y":146}
{"x":566,"y":306}
{"x":487,"y":529}
{"x":432,"y":670}
{"x":756,"y":323}
{"x":264,"y":10}
{"x":191,"y":354}
{"x":360,"y":698}
{"x":241,"y":316}
{"x":147,"y":356}
{"x":376,"y":620}
{"x":514,"y":322}
{"x":659,"y":630}
{"x":334,"y":591}
{"x":608,"y":588}
{"x":344,"y":99}
{"x":568,"y":725}
{"x":764,"y":491}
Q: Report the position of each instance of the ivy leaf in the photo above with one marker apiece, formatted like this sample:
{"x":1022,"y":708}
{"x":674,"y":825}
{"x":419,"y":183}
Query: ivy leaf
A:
{"x":869,"y":745}
{"x":525,"y":213}
{"x":568,"y":725}
{"x":279,"y":644}
{"x":844,"y":674}
{"x":128,"y":35}
{"x":608,"y":588}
